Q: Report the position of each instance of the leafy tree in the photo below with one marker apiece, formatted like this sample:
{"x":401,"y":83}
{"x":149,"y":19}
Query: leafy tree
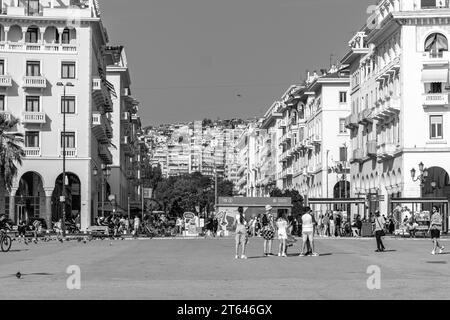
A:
{"x":11,"y":155}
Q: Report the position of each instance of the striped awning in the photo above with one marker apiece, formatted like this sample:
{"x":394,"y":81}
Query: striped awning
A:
{"x":439,"y":75}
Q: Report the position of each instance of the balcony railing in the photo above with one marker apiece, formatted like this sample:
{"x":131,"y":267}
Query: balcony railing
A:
{"x":32,"y":151}
{"x":70,"y":153}
{"x":5,"y":81}
{"x":358,"y":155}
{"x":351,"y":121}
{"x":101,"y":95}
{"x":386,"y":151}
{"x":34,"y":82}
{"x":33,"y":118}
{"x":435,"y":99}
{"x":99,"y":128}
{"x":372,"y":148}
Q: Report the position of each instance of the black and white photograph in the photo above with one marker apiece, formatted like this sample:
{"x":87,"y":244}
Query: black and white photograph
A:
{"x":228,"y":151}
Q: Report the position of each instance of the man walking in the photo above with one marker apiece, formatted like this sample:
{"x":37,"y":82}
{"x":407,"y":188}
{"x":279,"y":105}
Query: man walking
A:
{"x":435,"y":230}
{"x":308,"y":232}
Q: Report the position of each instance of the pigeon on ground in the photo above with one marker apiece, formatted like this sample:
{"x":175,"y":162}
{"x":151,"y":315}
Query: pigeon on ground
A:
{"x":18,"y":275}
{"x":61,"y":240}
{"x":79,"y":239}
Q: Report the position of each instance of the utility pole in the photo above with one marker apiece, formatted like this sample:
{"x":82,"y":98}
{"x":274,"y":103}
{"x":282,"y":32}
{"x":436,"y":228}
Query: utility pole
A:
{"x":63,"y":196}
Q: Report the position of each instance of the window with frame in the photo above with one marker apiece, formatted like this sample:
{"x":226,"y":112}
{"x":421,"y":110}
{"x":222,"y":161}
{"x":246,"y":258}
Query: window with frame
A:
{"x":32,"y":139}
{"x":32,"y":35}
{"x":66,"y":36}
{"x":342,"y":128}
{"x":68,"y":70}
{"x":68,"y":105}
{"x":436,"y":127}
{"x":2,"y":67}
{"x":2,"y":102}
{"x":32,"y":104}
{"x":33,"y":68}
{"x":342,"y":97}
{"x":69,"y":139}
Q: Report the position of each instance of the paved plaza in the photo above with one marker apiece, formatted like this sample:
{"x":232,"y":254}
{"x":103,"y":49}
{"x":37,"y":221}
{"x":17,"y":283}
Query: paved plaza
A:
{"x":206,"y":269}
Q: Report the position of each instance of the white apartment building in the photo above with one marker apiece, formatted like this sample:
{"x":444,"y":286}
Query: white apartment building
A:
{"x":400,"y":117}
{"x":41,"y":45}
{"x":126,"y":126}
{"x":320,"y":146}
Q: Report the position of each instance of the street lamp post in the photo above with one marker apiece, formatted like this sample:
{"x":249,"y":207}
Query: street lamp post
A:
{"x":63,"y":196}
{"x":422,"y":177}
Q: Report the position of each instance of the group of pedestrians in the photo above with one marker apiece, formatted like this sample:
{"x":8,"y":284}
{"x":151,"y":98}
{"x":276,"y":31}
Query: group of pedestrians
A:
{"x":120,"y":224}
{"x":271,"y":228}
{"x":281,"y":228}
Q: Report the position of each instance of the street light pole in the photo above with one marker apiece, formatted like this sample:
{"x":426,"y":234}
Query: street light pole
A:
{"x":63,"y":197}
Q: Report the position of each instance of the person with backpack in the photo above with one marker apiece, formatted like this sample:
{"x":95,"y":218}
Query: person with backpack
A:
{"x":435,"y":230}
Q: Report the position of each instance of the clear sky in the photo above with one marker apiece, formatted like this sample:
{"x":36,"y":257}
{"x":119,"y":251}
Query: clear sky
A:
{"x":195,"y":59}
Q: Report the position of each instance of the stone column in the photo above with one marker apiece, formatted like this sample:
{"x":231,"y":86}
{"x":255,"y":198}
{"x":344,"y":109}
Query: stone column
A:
{"x":48,"y":207}
{"x":42,"y":33}
{"x":12,"y":204}
{"x":6,"y":30}
{"x":24,"y":34}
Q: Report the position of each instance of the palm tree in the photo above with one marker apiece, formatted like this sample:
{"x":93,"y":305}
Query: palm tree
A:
{"x":11,"y":155}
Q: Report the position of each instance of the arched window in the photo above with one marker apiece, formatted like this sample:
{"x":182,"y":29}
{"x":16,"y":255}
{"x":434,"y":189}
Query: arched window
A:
{"x":436,"y":43}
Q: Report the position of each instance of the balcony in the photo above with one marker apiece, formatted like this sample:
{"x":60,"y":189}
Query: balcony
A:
{"x":70,"y":153}
{"x":283,"y":124}
{"x":364,"y":117}
{"x":105,"y":154}
{"x":34,"y":82}
{"x":351,"y":122}
{"x":33,"y":118}
{"x":435,"y":59}
{"x":6,"y":115}
{"x":386,"y":151}
{"x":32,"y":152}
{"x":5,"y":81}
{"x":372,"y":148}
{"x":358,"y":155}
{"x":316,"y":139}
{"x":289,"y":172}
{"x":310,"y":170}
{"x":134,"y":118}
{"x":99,"y":127}
{"x":435,"y":99}
{"x":101,"y":95}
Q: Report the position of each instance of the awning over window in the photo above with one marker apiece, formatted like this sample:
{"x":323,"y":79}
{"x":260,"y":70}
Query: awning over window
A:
{"x":435,"y":75}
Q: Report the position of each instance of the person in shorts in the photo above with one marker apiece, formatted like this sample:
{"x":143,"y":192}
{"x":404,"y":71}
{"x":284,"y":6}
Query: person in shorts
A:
{"x":435,"y":230}
{"x":308,"y":233}
{"x":241,"y":233}
{"x":282,"y":226}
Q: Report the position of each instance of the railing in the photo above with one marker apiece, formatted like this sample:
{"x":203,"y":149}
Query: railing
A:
{"x":435,"y":99}
{"x":38,"y":47}
{"x":33,"y":117}
{"x":372,"y":148}
{"x":32,"y":151}
{"x":70,"y":152}
{"x":358,"y":154}
{"x":34,"y":82}
{"x":5,"y":81}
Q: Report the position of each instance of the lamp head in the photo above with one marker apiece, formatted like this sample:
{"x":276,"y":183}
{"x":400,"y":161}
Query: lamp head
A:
{"x":421,"y":166}
{"x":413,"y":173}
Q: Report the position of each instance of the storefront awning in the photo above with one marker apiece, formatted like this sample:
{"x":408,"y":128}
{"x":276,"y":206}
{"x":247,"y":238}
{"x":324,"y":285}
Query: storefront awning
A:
{"x":435,"y":75}
{"x":337,"y":201}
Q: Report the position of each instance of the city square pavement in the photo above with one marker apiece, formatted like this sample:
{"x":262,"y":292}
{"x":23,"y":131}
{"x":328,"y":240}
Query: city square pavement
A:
{"x":206,"y":269}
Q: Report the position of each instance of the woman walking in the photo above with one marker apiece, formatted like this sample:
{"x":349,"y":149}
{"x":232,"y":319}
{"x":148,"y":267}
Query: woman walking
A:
{"x":241,"y":233}
{"x":379,"y":231}
{"x":332,"y":226}
{"x":282,"y":226}
{"x":268,"y":231}
{"x":326,"y":224}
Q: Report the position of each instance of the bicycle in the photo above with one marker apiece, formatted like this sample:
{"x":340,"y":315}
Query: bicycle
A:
{"x":5,"y":241}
